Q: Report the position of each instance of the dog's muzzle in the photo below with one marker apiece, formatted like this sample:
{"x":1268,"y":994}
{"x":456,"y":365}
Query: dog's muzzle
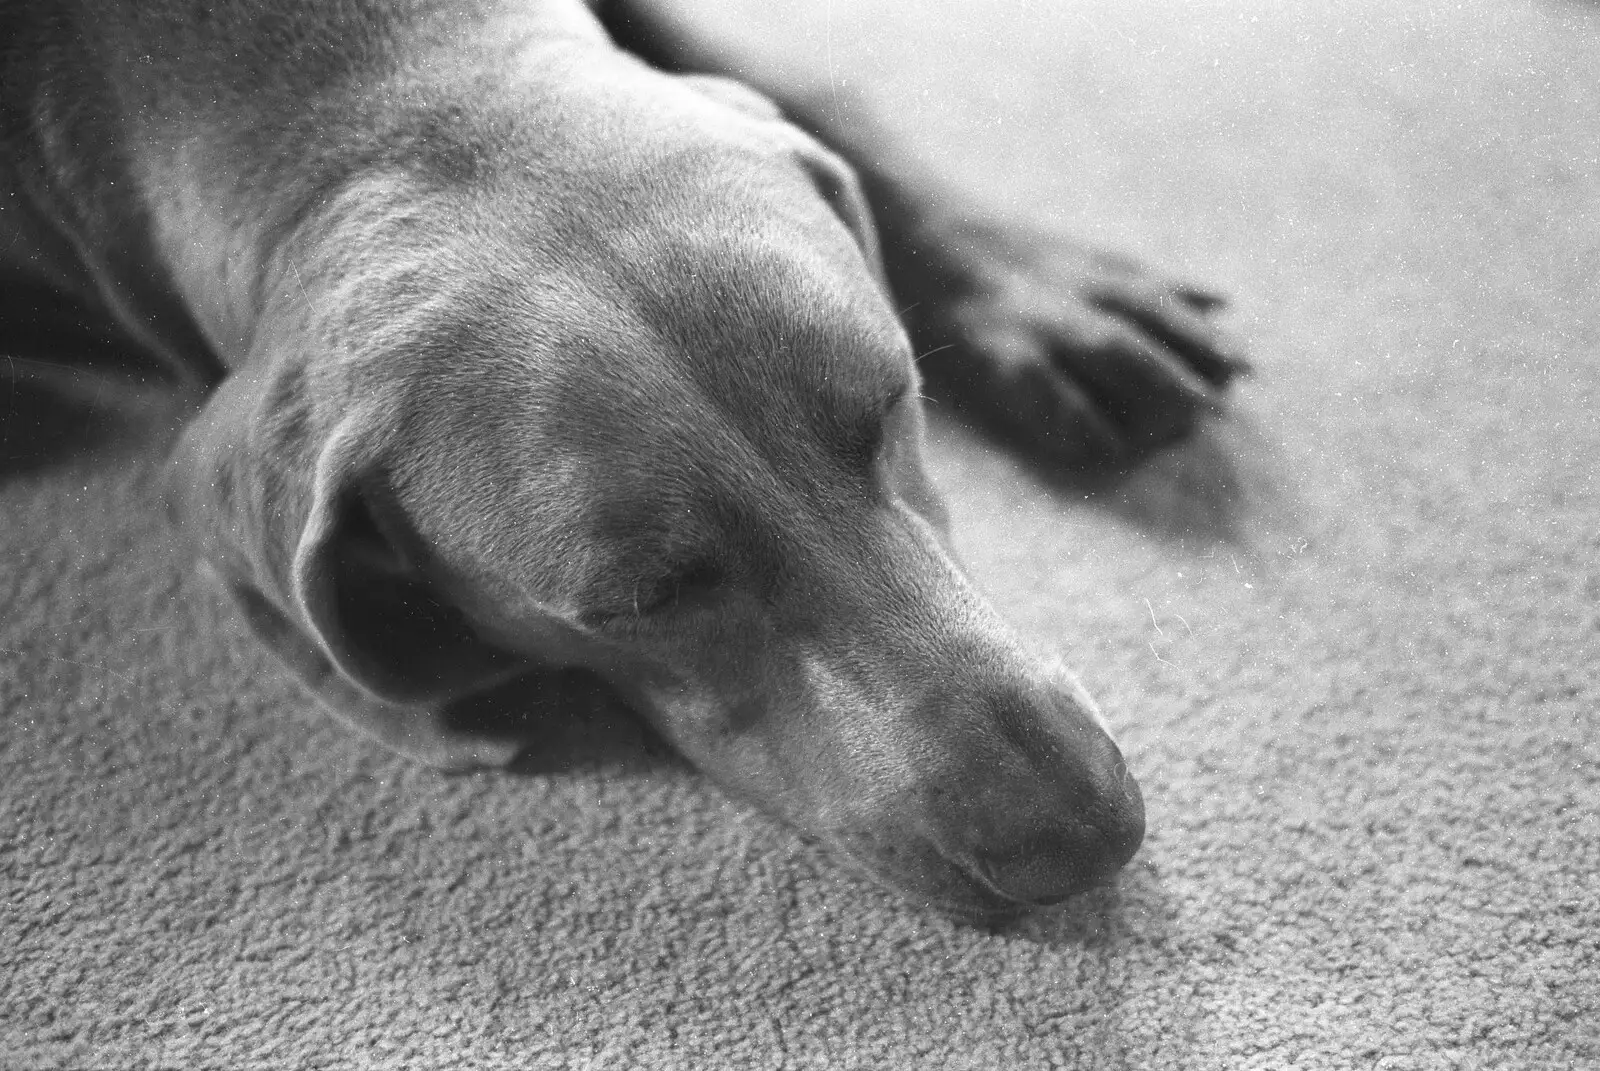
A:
{"x":1020,"y":799}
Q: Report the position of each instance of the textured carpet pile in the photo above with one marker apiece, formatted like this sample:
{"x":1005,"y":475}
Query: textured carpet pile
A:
{"x":1351,"y":642}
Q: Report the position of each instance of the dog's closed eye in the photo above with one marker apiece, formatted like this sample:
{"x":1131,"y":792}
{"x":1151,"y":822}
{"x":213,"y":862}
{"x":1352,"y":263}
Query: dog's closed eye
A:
{"x":863,"y":433}
{"x":651,"y":599}
{"x":700,"y":578}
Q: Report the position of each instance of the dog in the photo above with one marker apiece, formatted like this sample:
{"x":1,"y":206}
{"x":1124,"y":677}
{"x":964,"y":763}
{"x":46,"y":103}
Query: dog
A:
{"x":533,"y":342}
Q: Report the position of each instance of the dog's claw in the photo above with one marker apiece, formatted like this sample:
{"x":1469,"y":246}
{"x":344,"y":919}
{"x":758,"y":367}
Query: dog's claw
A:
{"x":1089,"y":358}
{"x":1172,"y":320}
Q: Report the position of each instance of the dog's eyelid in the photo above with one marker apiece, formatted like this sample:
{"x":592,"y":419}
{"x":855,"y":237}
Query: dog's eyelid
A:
{"x":696,"y":576}
{"x":898,"y":395}
{"x":658,"y":587}
{"x":877,"y":426}
{"x":701,"y":573}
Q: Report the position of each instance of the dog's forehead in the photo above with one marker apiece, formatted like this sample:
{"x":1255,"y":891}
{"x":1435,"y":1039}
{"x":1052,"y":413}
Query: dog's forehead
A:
{"x":720,"y":440}
{"x":719,"y":257}
{"x":783,"y":328}
{"x":703,"y":439}
{"x":691,"y":324}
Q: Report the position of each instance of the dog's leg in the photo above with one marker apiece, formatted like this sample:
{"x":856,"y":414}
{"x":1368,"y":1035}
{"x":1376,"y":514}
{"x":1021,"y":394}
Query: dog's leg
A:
{"x":1082,"y":357}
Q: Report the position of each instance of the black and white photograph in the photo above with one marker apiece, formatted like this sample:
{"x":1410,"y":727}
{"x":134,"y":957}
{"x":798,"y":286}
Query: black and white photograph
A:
{"x":704,"y":534}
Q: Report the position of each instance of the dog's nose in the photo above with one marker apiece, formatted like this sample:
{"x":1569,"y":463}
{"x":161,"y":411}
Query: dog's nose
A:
{"x":1064,"y":819}
{"x":1056,"y":851}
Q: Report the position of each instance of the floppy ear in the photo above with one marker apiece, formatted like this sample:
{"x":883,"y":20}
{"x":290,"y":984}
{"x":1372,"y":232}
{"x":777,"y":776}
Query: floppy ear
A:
{"x":834,"y":179}
{"x":736,"y":95}
{"x":840,"y":186}
{"x":328,"y":573}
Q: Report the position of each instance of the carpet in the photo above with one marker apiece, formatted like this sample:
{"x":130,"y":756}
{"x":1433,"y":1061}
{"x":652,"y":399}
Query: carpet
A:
{"x":1350,"y":641}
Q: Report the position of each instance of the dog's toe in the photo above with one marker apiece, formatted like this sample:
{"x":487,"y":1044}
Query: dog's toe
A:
{"x":1089,"y":359}
{"x":1176,"y":319}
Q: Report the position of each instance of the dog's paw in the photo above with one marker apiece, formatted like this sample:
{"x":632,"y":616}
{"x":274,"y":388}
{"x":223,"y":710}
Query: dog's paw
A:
{"x":1084,"y":356}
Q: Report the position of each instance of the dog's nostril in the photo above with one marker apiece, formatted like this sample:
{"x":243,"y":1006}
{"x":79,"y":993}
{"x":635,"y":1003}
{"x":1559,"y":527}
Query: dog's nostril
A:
{"x":1081,"y":852}
{"x":1041,"y":876}
{"x":1052,"y":900}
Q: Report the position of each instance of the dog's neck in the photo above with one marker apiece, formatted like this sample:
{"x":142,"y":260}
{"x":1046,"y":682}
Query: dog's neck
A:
{"x":242,"y":216}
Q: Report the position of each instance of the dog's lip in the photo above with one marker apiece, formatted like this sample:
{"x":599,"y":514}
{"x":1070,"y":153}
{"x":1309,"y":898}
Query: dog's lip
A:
{"x":989,"y":901}
{"x":986,"y":876}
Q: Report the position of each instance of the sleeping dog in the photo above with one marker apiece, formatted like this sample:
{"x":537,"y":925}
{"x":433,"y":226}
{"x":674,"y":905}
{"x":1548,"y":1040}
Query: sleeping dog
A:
{"x":526,"y":351}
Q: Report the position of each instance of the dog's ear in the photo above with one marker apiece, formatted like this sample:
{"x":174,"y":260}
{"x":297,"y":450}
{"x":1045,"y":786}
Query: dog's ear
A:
{"x":840,"y":187}
{"x":834,"y":179}
{"x":307,"y":538}
{"x":737,"y":95}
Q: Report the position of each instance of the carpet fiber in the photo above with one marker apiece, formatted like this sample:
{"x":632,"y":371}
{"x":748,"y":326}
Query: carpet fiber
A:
{"x":1350,"y":642}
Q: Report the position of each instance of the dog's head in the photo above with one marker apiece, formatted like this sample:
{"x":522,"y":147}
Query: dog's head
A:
{"x":652,"y":413}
